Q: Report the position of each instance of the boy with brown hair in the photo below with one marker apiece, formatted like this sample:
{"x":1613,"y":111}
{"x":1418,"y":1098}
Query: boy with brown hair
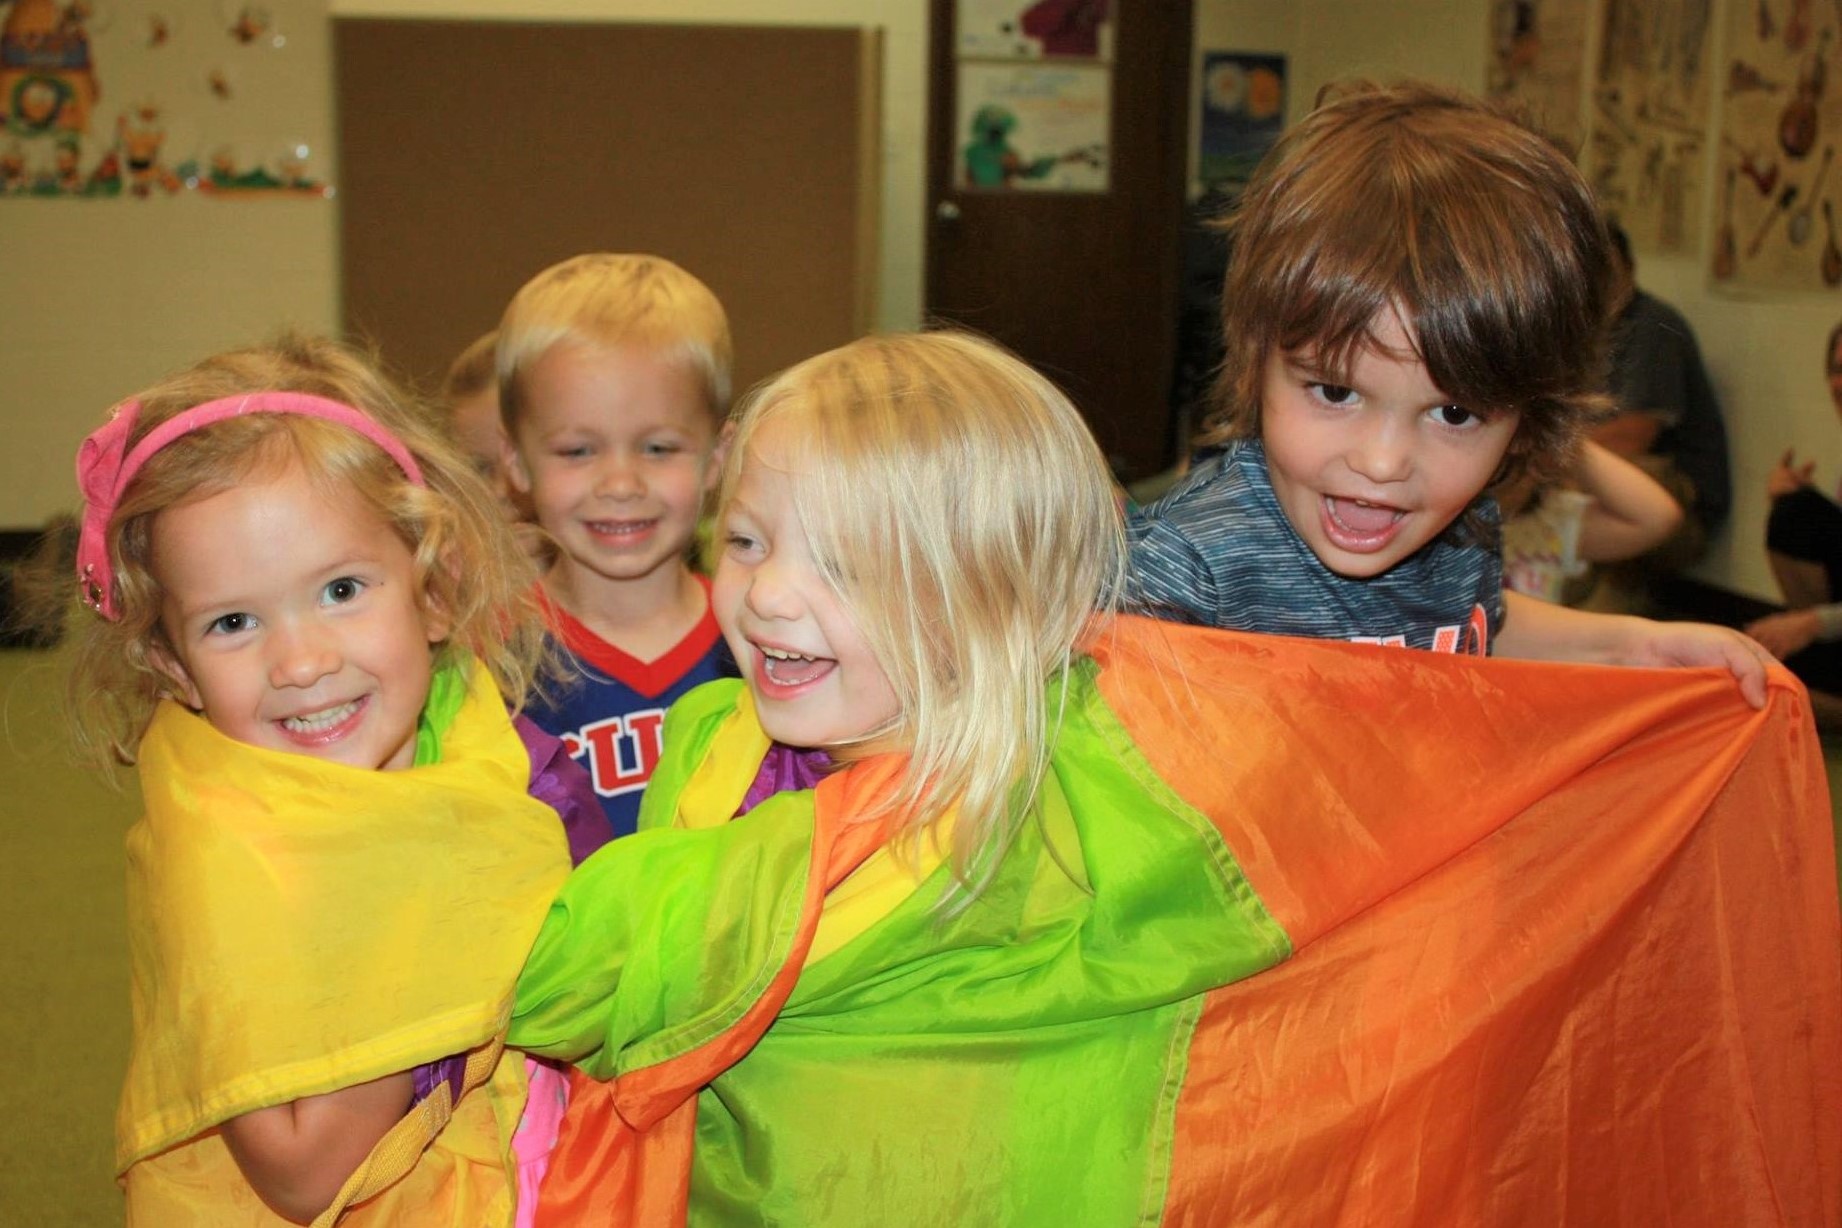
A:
{"x":614,"y":379}
{"x":1415,"y":311}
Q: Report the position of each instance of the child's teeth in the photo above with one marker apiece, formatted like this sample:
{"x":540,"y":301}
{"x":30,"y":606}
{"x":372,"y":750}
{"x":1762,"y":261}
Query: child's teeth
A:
{"x":780,"y":654}
{"x":315,"y":722}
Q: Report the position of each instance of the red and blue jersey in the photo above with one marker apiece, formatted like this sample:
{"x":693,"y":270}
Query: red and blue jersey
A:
{"x":610,"y":711}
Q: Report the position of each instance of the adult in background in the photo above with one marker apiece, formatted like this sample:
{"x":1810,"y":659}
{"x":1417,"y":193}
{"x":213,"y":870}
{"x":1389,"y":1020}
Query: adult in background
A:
{"x":1803,"y":542}
{"x":1669,"y":420}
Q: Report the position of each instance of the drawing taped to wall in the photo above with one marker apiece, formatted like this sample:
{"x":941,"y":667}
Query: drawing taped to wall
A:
{"x":1033,"y":127}
{"x":1033,"y":29}
{"x":1777,"y":149}
{"x":103,"y":100}
{"x":1538,"y":62}
{"x":1648,"y":124}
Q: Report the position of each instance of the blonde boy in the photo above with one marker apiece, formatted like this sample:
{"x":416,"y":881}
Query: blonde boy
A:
{"x":614,"y":378}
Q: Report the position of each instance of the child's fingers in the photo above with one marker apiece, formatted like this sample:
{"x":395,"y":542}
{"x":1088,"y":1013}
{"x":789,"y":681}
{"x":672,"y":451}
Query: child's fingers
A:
{"x":1748,"y":659}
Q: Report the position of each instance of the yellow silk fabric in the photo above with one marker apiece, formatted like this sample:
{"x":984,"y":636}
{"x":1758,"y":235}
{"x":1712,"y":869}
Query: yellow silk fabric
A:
{"x":298,"y":926}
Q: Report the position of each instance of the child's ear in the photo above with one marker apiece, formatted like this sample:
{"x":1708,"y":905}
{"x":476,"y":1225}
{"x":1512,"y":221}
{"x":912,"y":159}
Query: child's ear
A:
{"x":513,"y":464}
{"x":713,"y":474}
{"x":169,"y":665}
{"x":437,"y":619}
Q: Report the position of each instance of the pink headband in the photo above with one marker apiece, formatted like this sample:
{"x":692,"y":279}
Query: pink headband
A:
{"x":103,"y":471}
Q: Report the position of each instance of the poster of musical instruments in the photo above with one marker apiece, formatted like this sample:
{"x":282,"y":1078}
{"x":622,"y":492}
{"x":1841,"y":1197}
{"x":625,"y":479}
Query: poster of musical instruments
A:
{"x":1775,"y":225}
{"x":1538,"y":62}
{"x":1648,"y":122}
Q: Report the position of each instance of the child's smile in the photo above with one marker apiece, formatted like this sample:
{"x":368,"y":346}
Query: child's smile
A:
{"x":1372,"y":464}
{"x":783,"y":672}
{"x":815,"y":681}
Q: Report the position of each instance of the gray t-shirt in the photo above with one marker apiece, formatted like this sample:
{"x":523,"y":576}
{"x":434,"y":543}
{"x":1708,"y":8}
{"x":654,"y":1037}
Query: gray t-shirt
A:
{"x":1217,"y":550}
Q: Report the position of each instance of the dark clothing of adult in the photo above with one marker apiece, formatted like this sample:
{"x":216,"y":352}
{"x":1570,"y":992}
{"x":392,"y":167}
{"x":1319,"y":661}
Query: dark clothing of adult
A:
{"x":1657,"y":369}
{"x":1807,"y":525}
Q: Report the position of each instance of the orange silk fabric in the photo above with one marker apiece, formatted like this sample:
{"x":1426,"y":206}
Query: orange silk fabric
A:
{"x":1566,"y":941}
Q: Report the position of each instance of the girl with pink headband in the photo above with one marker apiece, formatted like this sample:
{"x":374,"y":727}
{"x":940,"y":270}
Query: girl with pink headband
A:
{"x":305,"y":615}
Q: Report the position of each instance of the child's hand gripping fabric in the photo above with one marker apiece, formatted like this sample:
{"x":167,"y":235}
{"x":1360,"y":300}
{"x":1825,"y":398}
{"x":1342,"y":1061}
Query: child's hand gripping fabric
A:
{"x":1538,"y":631}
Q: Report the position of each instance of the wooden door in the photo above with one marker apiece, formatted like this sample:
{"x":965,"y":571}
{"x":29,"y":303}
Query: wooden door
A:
{"x":1083,"y":285}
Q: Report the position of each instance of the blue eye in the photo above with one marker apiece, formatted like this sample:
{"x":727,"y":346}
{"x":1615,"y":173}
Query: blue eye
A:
{"x":740,"y":543}
{"x":663,"y":448}
{"x":342,"y":590}
{"x":229,"y":624}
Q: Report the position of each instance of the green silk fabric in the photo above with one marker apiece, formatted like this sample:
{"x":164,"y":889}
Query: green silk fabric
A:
{"x":1017,"y":1061}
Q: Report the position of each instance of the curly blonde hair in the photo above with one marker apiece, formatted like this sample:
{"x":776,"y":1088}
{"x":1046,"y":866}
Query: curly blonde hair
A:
{"x":467,"y":565}
{"x":958,"y":506}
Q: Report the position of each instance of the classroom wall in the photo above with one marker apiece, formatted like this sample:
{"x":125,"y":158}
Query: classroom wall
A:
{"x":107,"y":296}
{"x":100,"y":307}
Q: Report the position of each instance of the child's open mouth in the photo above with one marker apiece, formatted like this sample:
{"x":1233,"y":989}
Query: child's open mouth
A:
{"x":1359,"y":526}
{"x":781,"y":672}
{"x":621,"y":532}
{"x":326,"y":725}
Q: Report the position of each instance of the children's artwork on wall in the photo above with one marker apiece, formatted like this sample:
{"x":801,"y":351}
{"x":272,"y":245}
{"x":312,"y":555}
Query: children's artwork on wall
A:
{"x":1648,"y":124}
{"x":1775,"y":228}
{"x":113,"y":98}
{"x":1538,"y":62}
{"x":1033,"y":29}
{"x":1034,"y":127}
{"x":1243,"y":113}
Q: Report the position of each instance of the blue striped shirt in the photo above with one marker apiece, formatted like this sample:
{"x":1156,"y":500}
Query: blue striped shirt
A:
{"x":1218,"y":550}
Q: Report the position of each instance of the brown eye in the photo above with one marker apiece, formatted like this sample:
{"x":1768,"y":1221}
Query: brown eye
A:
{"x":1454,"y":415}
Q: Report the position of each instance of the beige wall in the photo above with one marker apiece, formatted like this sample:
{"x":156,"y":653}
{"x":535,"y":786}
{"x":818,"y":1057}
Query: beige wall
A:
{"x":106,"y":296}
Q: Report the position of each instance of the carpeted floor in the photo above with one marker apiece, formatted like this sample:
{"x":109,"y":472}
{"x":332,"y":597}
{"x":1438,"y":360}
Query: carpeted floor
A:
{"x":64,"y":959}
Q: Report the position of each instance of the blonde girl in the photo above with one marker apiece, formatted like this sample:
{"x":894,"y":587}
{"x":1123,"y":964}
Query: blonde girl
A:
{"x":303,"y":613}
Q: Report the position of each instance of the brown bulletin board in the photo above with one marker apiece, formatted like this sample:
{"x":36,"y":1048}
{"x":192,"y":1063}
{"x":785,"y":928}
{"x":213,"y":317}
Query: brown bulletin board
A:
{"x":474,"y":153}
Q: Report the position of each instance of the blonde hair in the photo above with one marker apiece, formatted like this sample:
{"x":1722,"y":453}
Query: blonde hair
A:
{"x":472,"y":372}
{"x":961,"y":510}
{"x":466,"y":562}
{"x":1449,"y":208}
{"x":612,"y":299}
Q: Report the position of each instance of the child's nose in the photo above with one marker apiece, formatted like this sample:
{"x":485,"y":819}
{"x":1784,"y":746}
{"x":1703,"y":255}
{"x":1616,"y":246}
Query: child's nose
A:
{"x":1383,"y":452}
{"x":619,"y":478}
{"x":769,"y":596}
{"x":301,"y":657}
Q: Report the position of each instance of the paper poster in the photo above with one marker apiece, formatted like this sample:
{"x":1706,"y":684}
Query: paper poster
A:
{"x":1033,"y":127}
{"x":1648,"y":127}
{"x":1538,"y":62}
{"x":1243,"y":113}
{"x":1775,"y":225}
{"x":112,"y":99}
{"x":1021,"y":30}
